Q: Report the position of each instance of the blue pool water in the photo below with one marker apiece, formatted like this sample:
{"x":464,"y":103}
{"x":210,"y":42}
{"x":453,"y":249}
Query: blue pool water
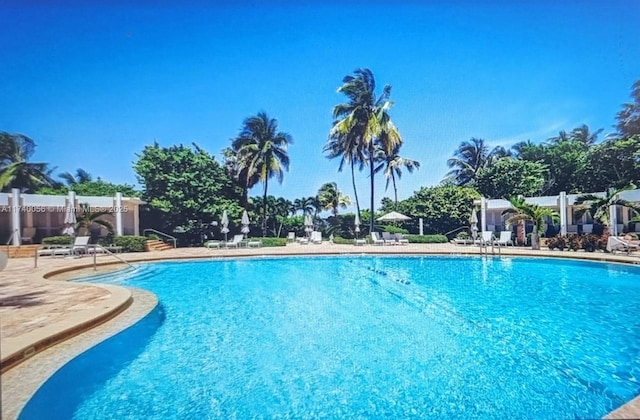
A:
{"x":365,"y":336}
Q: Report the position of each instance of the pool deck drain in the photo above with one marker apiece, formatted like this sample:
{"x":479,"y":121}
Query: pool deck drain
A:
{"x":36,"y":313}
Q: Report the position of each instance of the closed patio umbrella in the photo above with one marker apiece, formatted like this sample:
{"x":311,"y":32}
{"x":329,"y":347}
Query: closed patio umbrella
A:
{"x":69,"y":221}
{"x":245,"y":223}
{"x":356,"y":223}
{"x":474,"y":224}
{"x":308,"y":224}
{"x":225,"y":224}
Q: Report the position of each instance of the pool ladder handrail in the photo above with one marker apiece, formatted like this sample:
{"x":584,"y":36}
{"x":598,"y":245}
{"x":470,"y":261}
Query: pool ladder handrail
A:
{"x":484,"y":247}
{"x":171,"y":238}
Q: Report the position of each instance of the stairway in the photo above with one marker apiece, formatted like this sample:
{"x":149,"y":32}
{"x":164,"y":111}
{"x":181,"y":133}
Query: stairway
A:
{"x":156,"y":245}
{"x":20,"y":251}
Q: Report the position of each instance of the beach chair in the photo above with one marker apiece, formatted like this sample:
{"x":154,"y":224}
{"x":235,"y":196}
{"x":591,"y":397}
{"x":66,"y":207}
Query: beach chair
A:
{"x":316,"y":237}
{"x":505,"y":238}
{"x":376,"y":239}
{"x":486,"y":238}
{"x":80,"y":246}
{"x":401,"y":239}
{"x":213,"y":244}
{"x":615,"y":244}
{"x":28,"y":234}
{"x":389,"y":239}
{"x":235,"y":242}
{"x":291,"y":237}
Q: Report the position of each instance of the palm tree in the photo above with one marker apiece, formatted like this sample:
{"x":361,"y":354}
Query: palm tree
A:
{"x":470,"y":157}
{"x":87,"y":219}
{"x":331,"y":198}
{"x":16,"y":171}
{"x":392,"y":163}
{"x":80,"y":177}
{"x":261,"y":151}
{"x":598,"y":207}
{"x":525,"y":211}
{"x":307,"y":205}
{"x":232,"y":163}
{"x":361,"y":120}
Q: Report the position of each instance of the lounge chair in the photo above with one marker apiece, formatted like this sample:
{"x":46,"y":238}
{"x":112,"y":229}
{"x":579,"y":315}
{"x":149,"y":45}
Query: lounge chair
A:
{"x":377,"y":240}
{"x":618,"y":244}
{"x":316,"y":237}
{"x":254,"y":243}
{"x":505,"y":238}
{"x":487,"y":238}
{"x":213,"y":244}
{"x":235,"y":242}
{"x":291,"y":237}
{"x":389,"y":239}
{"x":401,"y":239}
{"x":80,"y":246}
{"x":28,"y":234}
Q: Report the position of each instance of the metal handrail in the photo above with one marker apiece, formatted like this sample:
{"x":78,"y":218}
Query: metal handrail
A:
{"x":174,"y":239}
{"x":457,"y":229}
{"x":11,"y":236}
{"x":108,"y":252}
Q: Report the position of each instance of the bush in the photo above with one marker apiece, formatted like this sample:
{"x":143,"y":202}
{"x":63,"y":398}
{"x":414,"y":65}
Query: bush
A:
{"x":345,"y":241}
{"x":592,"y":242}
{"x":130,"y":243}
{"x":427,"y":239}
{"x":558,"y":242}
{"x":271,"y":242}
{"x":462,"y":235}
{"x":58,"y":240}
{"x":574,"y":242}
{"x":394,"y":229}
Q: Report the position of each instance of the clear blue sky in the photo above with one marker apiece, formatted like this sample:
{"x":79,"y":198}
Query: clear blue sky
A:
{"x":93,"y":84}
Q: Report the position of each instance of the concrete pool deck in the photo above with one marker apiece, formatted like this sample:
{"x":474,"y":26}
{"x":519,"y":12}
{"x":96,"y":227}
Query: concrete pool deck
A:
{"x":46,"y":321}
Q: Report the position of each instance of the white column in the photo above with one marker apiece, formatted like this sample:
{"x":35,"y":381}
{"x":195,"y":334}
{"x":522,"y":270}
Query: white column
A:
{"x":421,"y":226}
{"x":613,"y":220}
{"x":483,"y":213}
{"x":118,"y":208}
{"x":15,"y":208}
{"x":562,"y":206}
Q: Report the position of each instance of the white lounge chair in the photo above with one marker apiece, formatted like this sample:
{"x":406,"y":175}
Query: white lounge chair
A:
{"x":291,"y":237}
{"x":376,"y":239}
{"x":80,"y":246}
{"x":316,"y":237}
{"x":487,"y":238}
{"x":389,"y":239}
{"x":213,"y":244}
{"x":401,"y":239}
{"x":505,"y":238}
{"x":618,"y":244}
{"x":235,"y":241}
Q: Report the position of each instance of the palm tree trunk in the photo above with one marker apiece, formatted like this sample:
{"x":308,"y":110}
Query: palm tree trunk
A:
{"x":371,"y":173}
{"x":395,"y":190}
{"x":264,"y":208}
{"x":355,"y":191}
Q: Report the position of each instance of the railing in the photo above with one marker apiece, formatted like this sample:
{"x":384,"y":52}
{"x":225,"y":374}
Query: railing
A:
{"x":171,"y":238}
{"x":457,"y":229}
{"x":16,"y":231}
{"x":108,"y":252}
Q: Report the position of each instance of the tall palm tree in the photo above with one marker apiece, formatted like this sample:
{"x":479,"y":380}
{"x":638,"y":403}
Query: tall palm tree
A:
{"x":232,"y":163}
{"x":470,"y":157}
{"x":350,"y":150}
{"x":307,"y":205}
{"x":16,"y":171}
{"x":392,"y":163}
{"x":598,"y":207}
{"x":87,"y":220}
{"x":331,"y":198}
{"x":585,"y":136}
{"x":80,"y":177}
{"x":522,"y":210}
{"x":262,"y":151}
{"x":363,"y":118}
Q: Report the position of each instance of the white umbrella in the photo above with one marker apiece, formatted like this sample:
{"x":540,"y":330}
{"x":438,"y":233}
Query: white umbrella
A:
{"x":225,"y":224}
{"x":245,"y":223}
{"x":308,"y":223}
{"x":70,"y":221}
{"x":474,"y":224}
{"x":394,"y":216}
{"x":356,"y":222}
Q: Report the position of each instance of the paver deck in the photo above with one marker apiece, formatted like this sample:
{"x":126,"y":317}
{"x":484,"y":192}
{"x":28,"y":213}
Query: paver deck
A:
{"x":33,"y":308}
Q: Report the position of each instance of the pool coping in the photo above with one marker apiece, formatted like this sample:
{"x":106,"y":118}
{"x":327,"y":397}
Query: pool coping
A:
{"x":21,"y":350}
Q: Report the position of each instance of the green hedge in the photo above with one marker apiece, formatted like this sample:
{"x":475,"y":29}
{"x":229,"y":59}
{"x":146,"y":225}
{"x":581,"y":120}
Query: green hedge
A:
{"x":342,"y":241}
{"x":130,"y":243}
{"x":394,"y":229}
{"x":58,"y":240}
{"x":271,"y":242}
{"x":427,"y":239}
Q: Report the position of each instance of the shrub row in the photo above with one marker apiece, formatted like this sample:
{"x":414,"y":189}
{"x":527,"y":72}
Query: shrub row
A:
{"x":427,"y":239}
{"x":128,"y":243}
{"x":574,"y":242}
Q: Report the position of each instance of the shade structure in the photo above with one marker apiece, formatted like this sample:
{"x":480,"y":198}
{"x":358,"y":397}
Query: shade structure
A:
{"x":225,"y":224}
{"x":394,"y":216}
{"x":245,"y":223}
{"x":69,"y":221}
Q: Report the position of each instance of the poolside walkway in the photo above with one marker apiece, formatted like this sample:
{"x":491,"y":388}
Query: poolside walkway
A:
{"x":38,"y":309}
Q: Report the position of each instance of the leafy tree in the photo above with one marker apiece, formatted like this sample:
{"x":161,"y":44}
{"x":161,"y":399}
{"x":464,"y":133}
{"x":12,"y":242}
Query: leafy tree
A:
{"x":364,"y":119}
{"x":613,"y":163}
{"x":469,"y":159}
{"x":307,"y":205}
{"x":185,"y":188}
{"x":392,"y":163}
{"x":15,"y":169}
{"x":508,"y":176}
{"x":98,"y":188}
{"x":261,"y":151}
{"x":443,"y":208}
{"x":522,"y":210}
{"x":331,"y":198}
{"x":598,"y":206}
{"x":629,"y":118}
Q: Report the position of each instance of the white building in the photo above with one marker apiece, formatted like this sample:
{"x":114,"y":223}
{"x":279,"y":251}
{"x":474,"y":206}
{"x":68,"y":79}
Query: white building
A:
{"x":491,"y":218}
{"x":40,"y":216}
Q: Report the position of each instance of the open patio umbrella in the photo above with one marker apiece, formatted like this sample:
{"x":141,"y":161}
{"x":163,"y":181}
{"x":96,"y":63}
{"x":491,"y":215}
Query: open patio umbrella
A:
{"x":474,"y":224}
{"x":356,"y":223}
{"x":394,"y":216}
{"x":225,"y":224}
{"x":245,"y":223}
{"x":69,"y":221}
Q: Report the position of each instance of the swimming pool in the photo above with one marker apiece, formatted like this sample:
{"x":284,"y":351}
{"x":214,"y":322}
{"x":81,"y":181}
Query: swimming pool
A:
{"x":364,"y":336}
